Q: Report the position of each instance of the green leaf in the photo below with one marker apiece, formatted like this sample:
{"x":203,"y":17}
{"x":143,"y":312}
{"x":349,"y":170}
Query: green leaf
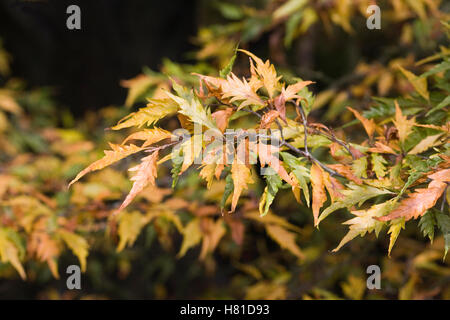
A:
{"x":229,"y":188}
{"x":274,"y":183}
{"x":177,"y":160}
{"x":226,"y":71}
{"x":427,"y":224}
{"x":444,"y":103}
{"x":443,"y":222}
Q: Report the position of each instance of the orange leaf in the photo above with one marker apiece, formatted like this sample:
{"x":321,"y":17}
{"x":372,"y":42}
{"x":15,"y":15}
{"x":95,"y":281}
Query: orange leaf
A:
{"x":318,"y":190}
{"x":369,"y":125}
{"x":146,"y":173}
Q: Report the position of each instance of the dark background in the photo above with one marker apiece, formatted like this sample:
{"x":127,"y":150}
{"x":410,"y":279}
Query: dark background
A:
{"x":116,"y":39}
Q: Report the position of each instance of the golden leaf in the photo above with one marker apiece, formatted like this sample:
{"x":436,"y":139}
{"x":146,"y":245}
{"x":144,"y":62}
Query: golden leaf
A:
{"x":146,"y":173}
{"x":77,"y":244}
{"x":318,"y":190}
{"x":117,"y":153}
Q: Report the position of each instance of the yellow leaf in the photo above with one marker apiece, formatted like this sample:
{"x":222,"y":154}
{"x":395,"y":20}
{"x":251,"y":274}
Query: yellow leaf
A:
{"x":10,"y":253}
{"x":117,"y":153}
{"x":207,"y":173}
{"x":155,"y":110}
{"x":192,"y":235}
{"x":77,"y":244}
{"x":130,"y":225}
{"x":425,"y":144}
{"x":394,"y":231}
{"x":318,"y":190}
{"x":150,"y":136}
{"x":369,"y":125}
{"x":285,"y":239}
{"x":267,"y":73}
{"x":240,"y":90}
{"x":146,"y":173}
{"x":403,"y":125}
{"x":241,"y":175}
{"x":420,"y":84}
{"x":136,"y":87}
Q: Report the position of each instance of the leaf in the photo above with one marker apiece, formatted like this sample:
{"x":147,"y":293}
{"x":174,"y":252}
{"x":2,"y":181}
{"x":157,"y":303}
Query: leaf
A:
{"x":288,"y":8}
{"x":265,"y":153}
{"x":273,"y":185}
{"x":318,"y":191}
{"x":443,"y":222}
{"x":353,"y":195}
{"x":369,"y":125}
{"x":345,"y":171}
{"x":46,"y":249}
{"x":268,"y":118}
{"x":155,"y":110}
{"x":427,"y":224}
{"x":77,"y":244}
{"x":444,"y":103}
{"x":221,"y":118}
{"x":285,"y":239}
{"x":241,"y":175}
{"x":192,"y":235}
{"x":150,"y":136}
{"x":145,"y":174}
{"x":425,"y":144}
{"x":240,"y":90}
{"x":9,"y":252}
{"x":177,"y":161}
{"x":212,"y":233}
{"x":207,"y":173}
{"x":267,"y":73}
{"x":130,"y":225}
{"x":378,"y":163}
{"x":191,"y":107}
{"x":359,"y":167}
{"x":403,"y":125}
{"x":394,"y":231}
{"x":137,"y":87}
{"x":117,"y":153}
{"x":419,"y":84}
{"x":226,"y":71}
{"x":422,"y":199}
{"x":364,"y":222}
{"x":229,"y":188}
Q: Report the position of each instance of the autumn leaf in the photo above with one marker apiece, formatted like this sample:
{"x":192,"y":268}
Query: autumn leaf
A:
{"x":403,"y":125}
{"x":77,"y":244}
{"x":265,"y":153}
{"x":117,"y":153}
{"x":425,"y":144}
{"x":150,"y":136}
{"x":145,"y":174}
{"x":369,"y":125}
{"x":212,"y":233}
{"x":155,"y":110}
{"x":419,"y":84}
{"x":364,"y":222}
{"x":284,"y":238}
{"x":136,"y":87}
{"x":421,"y":199}
{"x":267,"y":72}
{"x":130,"y":225}
{"x":9,"y":252}
{"x":240,"y":90}
{"x":242,"y":176}
{"x":192,"y":235}
{"x":268,"y":118}
{"x":318,"y":191}
{"x":221,"y":117}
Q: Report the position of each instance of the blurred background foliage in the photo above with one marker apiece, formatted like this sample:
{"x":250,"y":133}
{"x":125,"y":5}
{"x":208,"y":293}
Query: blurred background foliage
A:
{"x":60,"y":90}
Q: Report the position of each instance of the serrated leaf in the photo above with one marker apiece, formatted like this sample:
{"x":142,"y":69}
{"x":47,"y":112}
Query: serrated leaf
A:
{"x":284,"y":238}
